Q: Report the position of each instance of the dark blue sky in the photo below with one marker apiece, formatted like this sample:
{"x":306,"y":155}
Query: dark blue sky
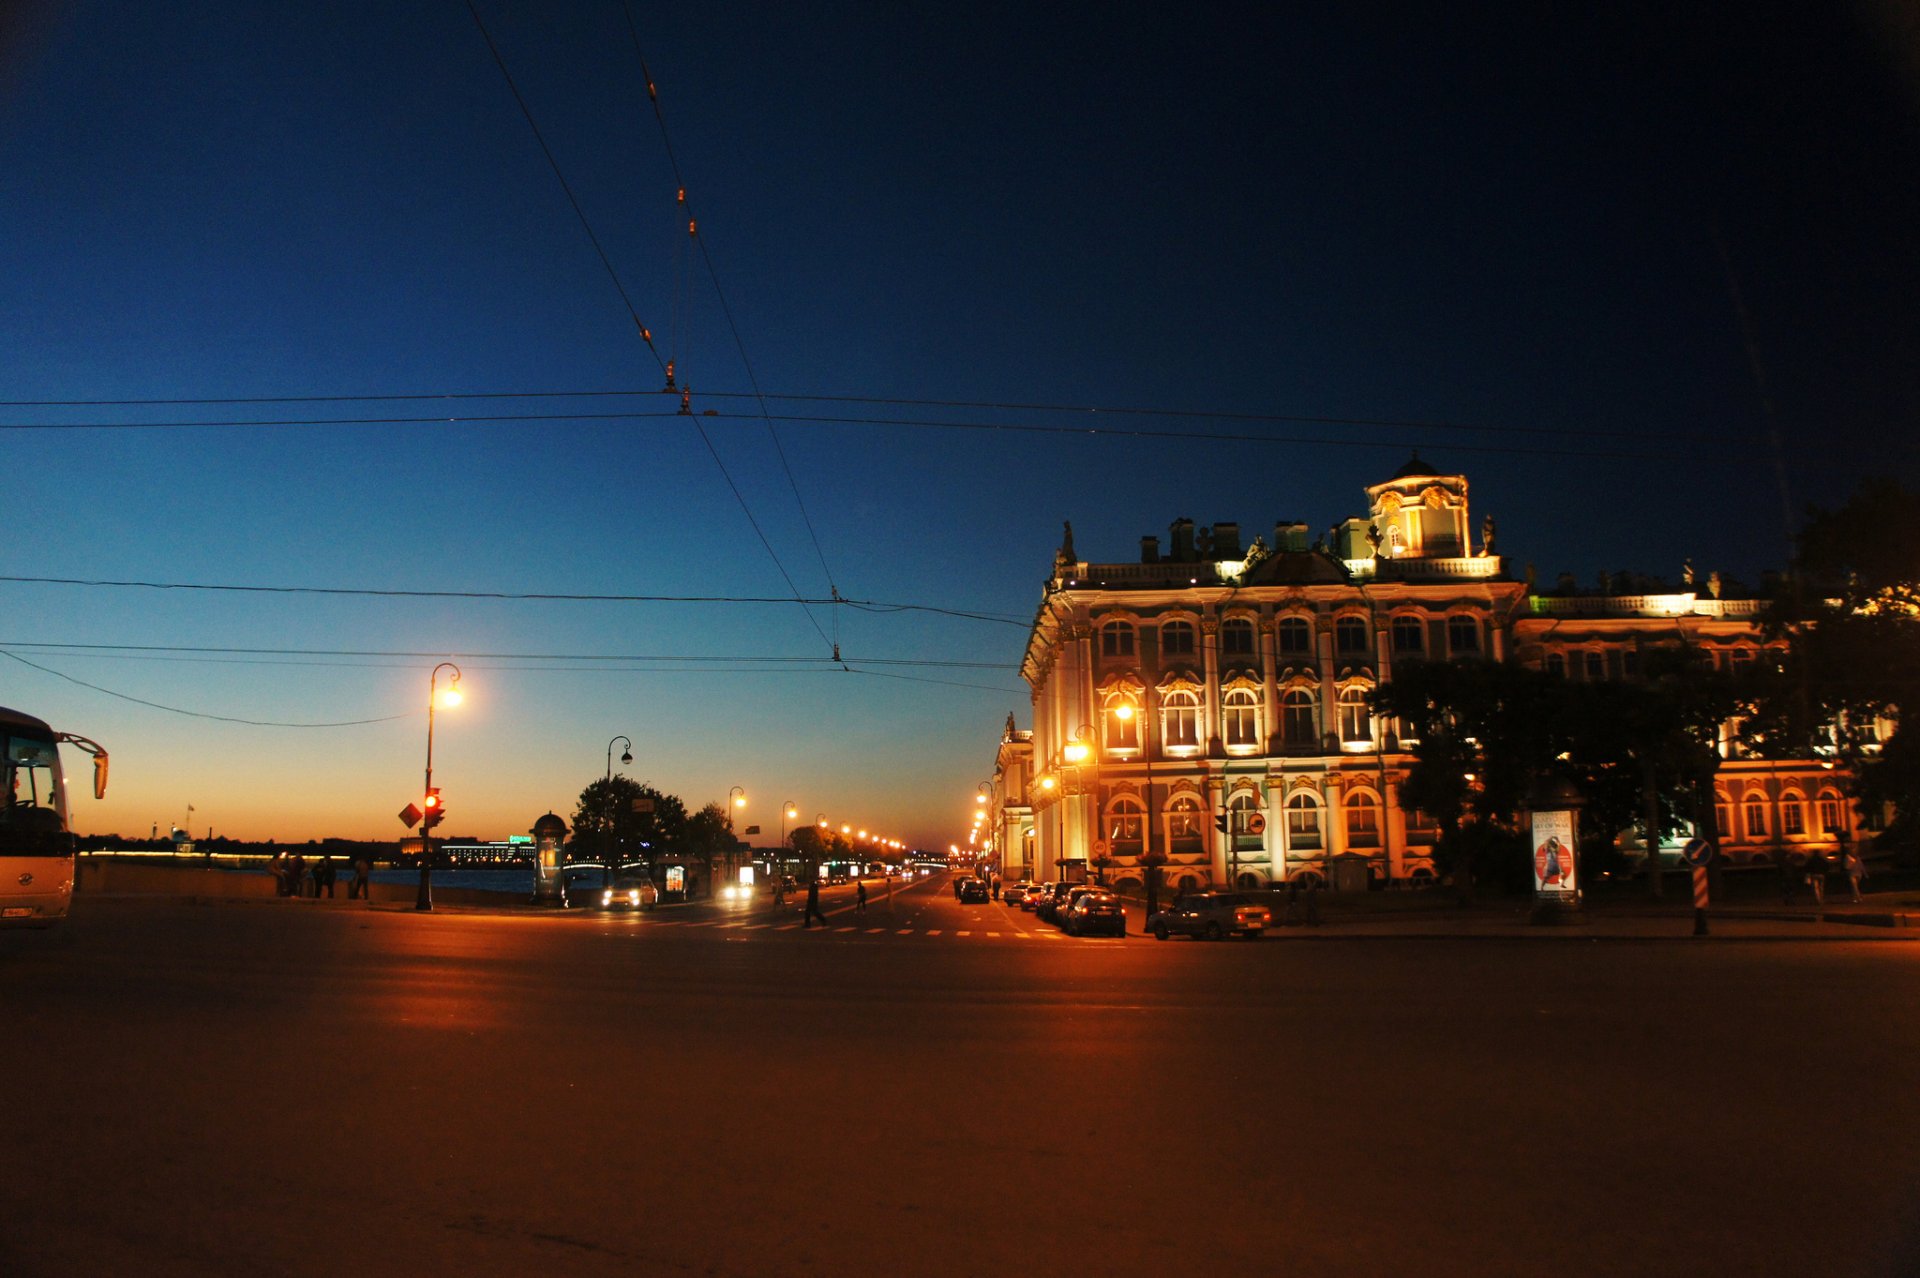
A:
{"x":1543,"y":223}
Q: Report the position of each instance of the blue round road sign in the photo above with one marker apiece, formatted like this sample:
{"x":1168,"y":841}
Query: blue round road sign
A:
{"x":1697,"y":852}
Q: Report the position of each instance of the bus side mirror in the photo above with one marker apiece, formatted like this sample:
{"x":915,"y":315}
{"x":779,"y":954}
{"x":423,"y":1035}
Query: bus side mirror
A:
{"x":100,"y":775}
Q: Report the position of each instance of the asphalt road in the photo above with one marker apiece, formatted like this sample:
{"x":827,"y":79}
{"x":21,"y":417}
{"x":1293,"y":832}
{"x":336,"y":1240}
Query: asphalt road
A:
{"x":277,"y":1086}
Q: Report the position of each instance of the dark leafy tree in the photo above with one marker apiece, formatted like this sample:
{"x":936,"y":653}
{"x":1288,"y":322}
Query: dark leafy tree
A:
{"x":607,"y":828}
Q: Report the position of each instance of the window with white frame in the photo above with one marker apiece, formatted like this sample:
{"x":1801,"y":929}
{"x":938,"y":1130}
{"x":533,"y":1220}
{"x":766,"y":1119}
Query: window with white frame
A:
{"x":1303,"y":822}
{"x":1299,"y":725}
{"x":1722,"y":816}
{"x":1125,"y":821}
{"x":1184,"y":821}
{"x":1363,"y":819}
{"x":1296,"y":637}
{"x":1756,"y":810}
{"x":1356,"y":715}
{"x":1116,"y":639}
{"x":1242,"y":808}
{"x":1241,"y":712}
{"x":1830,"y":814}
{"x":1236,"y":637}
{"x":1122,"y":721}
{"x":1793,"y":819}
{"x":1176,"y":639}
{"x":1180,"y":720}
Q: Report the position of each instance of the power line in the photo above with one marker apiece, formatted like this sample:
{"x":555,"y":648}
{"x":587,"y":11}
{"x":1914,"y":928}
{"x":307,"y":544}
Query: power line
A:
{"x":864,"y":605}
{"x":79,"y":649}
{"x":196,"y":714}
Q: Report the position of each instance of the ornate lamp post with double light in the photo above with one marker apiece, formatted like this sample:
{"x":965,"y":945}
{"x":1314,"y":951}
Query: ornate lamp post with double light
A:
{"x":434,"y":808}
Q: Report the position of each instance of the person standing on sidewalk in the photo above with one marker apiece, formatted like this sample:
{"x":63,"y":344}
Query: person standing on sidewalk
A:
{"x":1855,"y":867}
{"x":813,"y":904}
{"x":859,"y":897}
{"x":1817,"y":877}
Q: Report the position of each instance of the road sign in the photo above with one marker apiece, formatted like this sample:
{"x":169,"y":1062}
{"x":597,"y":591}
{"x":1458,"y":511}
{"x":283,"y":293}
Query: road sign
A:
{"x":643,"y":805}
{"x":1256,"y":824}
{"x":410,"y":816}
{"x":1697,"y":852}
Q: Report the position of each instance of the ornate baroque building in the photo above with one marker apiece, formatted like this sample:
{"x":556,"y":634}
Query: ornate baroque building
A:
{"x":1209,"y":703}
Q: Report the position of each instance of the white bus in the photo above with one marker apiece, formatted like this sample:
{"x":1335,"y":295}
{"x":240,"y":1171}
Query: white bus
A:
{"x":36,"y":847}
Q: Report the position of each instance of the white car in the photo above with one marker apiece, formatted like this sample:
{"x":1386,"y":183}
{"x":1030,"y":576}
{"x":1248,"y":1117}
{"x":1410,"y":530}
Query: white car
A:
{"x":630,"y":894}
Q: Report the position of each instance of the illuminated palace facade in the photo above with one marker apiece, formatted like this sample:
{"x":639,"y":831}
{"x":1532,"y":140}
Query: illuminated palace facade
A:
{"x":1209,"y":703}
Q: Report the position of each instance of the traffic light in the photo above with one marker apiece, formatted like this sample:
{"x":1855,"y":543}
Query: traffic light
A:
{"x":1220,"y":824}
{"x":435,"y":809}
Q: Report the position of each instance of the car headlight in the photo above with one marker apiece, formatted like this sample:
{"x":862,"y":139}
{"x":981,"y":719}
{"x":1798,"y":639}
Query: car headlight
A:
{"x":606,"y":898}
{"x":634,"y":896}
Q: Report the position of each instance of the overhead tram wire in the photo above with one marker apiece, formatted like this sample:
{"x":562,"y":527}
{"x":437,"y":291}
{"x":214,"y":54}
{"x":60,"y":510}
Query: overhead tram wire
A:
{"x":52,"y":647}
{"x":1090,"y":410}
{"x":1026,"y":428}
{"x":196,"y":714}
{"x":640,"y":329}
{"x":865,"y":605}
{"x":726,"y":309}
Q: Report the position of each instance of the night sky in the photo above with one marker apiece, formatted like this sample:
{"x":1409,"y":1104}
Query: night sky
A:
{"x":1646,"y":277}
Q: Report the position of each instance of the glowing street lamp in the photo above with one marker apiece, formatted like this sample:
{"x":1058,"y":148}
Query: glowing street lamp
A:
{"x":451,"y":696}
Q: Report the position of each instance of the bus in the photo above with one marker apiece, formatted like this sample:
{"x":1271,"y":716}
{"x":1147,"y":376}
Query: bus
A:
{"x":36,"y":847}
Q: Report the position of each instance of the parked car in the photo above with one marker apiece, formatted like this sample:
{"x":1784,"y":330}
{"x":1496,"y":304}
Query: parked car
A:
{"x":974,"y":892}
{"x":1014,"y":893}
{"x":1064,"y":899}
{"x":1030,"y":899}
{"x":1049,"y":899}
{"x":630,"y":894}
{"x":1096,"y":909}
{"x":1213,"y":915}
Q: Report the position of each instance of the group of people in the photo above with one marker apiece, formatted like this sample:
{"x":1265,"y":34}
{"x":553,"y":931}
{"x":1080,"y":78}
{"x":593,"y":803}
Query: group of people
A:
{"x":1811,"y":868}
{"x":293,"y":875}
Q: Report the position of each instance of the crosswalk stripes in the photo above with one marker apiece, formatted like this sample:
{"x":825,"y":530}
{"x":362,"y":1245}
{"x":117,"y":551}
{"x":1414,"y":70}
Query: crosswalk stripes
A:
{"x":905,"y":931}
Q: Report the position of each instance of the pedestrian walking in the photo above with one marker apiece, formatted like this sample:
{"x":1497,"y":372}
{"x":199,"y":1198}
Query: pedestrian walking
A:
{"x":360,"y":885}
{"x":278,"y":868}
{"x":813,"y":904}
{"x":1855,"y":867}
{"x":996,"y":887}
{"x":860,"y":897}
{"x":324,"y":875}
{"x":1817,"y":878}
{"x":296,"y":875}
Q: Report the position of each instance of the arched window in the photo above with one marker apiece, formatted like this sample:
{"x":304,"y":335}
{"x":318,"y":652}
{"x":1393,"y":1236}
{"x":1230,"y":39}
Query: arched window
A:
{"x":1122,"y":722}
{"x":1409,"y":636}
{"x":1463,"y":634}
{"x":1242,"y":808}
{"x":1557,"y":664}
{"x":1180,"y":720}
{"x":1183,"y":825}
{"x":1303,"y":822}
{"x":1722,"y":815}
{"x":1176,"y":639}
{"x":1236,"y":637}
{"x":1596,"y":665}
{"x":1793,"y":819}
{"x":1363,"y":819}
{"x":1296,"y":637}
{"x":1299,"y":725}
{"x":1742,"y":660}
{"x":1356,"y":715}
{"x":1241,"y":711}
{"x":1756,"y":810}
{"x":1350,"y":636}
{"x":1125,"y":820}
{"x":1829,"y":803}
{"x":1116,"y":639}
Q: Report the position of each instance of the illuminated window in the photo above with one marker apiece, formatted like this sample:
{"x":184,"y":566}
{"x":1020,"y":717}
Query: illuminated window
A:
{"x":1463,"y":634}
{"x":1829,"y":805}
{"x":1123,"y":731}
{"x":1116,"y":639}
{"x":1298,"y":726}
{"x":1125,"y":820}
{"x":1792,"y":816}
{"x":1183,"y":826}
{"x":1242,"y":715}
{"x":1242,"y":808}
{"x":1722,"y":816}
{"x":1303,"y":822}
{"x":1756,"y":810}
{"x":1350,"y":636}
{"x":1176,"y":639}
{"x":1296,"y":636}
{"x":1363,"y":820}
{"x":1409,"y":636}
{"x":1180,"y":720}
{"x":1356,"y":715}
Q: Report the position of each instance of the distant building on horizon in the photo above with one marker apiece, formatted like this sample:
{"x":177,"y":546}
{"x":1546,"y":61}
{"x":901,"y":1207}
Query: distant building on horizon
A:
{"x":1213,"y":684}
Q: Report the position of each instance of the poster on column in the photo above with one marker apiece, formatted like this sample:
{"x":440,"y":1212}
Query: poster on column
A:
{"x":1553,"y":872}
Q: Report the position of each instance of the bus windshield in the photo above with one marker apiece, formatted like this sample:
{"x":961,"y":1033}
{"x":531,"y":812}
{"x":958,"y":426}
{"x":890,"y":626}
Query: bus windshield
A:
{"x":33,"y":816}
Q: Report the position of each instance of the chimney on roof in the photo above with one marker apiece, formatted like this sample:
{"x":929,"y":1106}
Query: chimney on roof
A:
{"x":1226,"y":541}
{"x":1149,"y":550}
{"x":1181,"y":534}
{"x":1290,"y":535}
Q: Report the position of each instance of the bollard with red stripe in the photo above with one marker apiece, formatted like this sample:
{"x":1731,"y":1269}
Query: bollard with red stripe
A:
{"x":1699,"y":854}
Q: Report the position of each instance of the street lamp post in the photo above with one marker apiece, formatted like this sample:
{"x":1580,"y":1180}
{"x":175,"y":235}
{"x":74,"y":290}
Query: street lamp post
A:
{"x":1149,"y":865}
{"x":613,"y":812}
{"x":626,"y":755}
{"x":1077,"y":752}
{"x":787,"y":813}
{"x":424,"y":899}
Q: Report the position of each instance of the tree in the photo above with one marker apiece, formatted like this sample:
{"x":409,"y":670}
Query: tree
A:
{"x":705,"y":837}
{"x":606,"y":828}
